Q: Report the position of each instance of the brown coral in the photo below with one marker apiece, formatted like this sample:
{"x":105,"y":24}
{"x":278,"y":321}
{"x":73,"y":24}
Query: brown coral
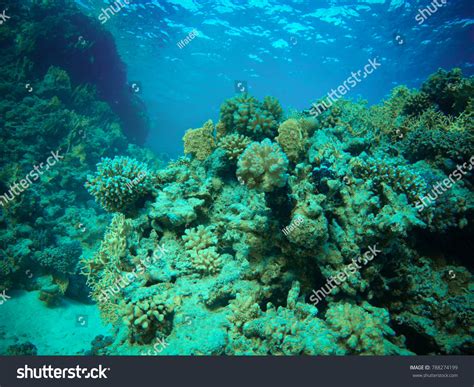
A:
{"x":234,"y":145}
{"x":148,"y":316}
{"x":293,"y":139}
{"x":200,"y":142}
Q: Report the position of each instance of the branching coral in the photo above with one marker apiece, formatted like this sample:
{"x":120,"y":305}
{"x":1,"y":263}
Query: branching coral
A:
{"x":200,"y":246}
{"x":199,"y":238}
{"x":234,"y":144}
{"x":363,"y":330}
{"x":120,"y":183}
{"x":207,"y":261}
{"x":245,"y":115}
{"x":263,"y":166}
{"x":398,"y":177}
{"x":104,"y":268}
{"x":200,"y":142}
{"x":147,"y":318}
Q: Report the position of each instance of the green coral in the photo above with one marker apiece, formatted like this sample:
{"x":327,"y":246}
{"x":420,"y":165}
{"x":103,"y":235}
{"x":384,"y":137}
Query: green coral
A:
{"x":246,"y":115}
{"x":120,"y":183}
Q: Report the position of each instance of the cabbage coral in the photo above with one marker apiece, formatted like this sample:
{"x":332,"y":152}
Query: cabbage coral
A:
{"x":119,"y":183}
{"x":292,"y":137}
{"x":263,"y":166}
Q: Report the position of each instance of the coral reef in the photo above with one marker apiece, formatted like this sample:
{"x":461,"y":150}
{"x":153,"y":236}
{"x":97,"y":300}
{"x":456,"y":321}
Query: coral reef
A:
{"x":292,"y":137}
{"x":263,"y":166}
{"x":246,"y":115}
{"x":222,"y":251}
{"x":332,"y":200}
{"x":200,"y":142}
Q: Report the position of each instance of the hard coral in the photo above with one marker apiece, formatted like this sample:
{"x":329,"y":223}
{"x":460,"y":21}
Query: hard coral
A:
{"x":147,"y":318}
{"x":246,"y":115}
{"x":200,"y":246}
{"x":199,"y":238}
{"x":234,"y":144}
{"x":207,"y":261}
{"x":363,"y":330}
{"x":200,"y":142}
{"x":119,"y":183}
{"x":263,"y":166}
{"x":449,"y":90}
{"x":292,"y":137}
{"x":62,"y":258}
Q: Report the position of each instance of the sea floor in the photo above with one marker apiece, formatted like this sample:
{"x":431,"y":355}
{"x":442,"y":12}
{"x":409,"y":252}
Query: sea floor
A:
{"x":67,"y":329}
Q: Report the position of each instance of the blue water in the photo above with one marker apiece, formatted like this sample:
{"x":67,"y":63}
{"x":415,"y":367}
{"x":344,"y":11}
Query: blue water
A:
{"x":296,"y":51}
